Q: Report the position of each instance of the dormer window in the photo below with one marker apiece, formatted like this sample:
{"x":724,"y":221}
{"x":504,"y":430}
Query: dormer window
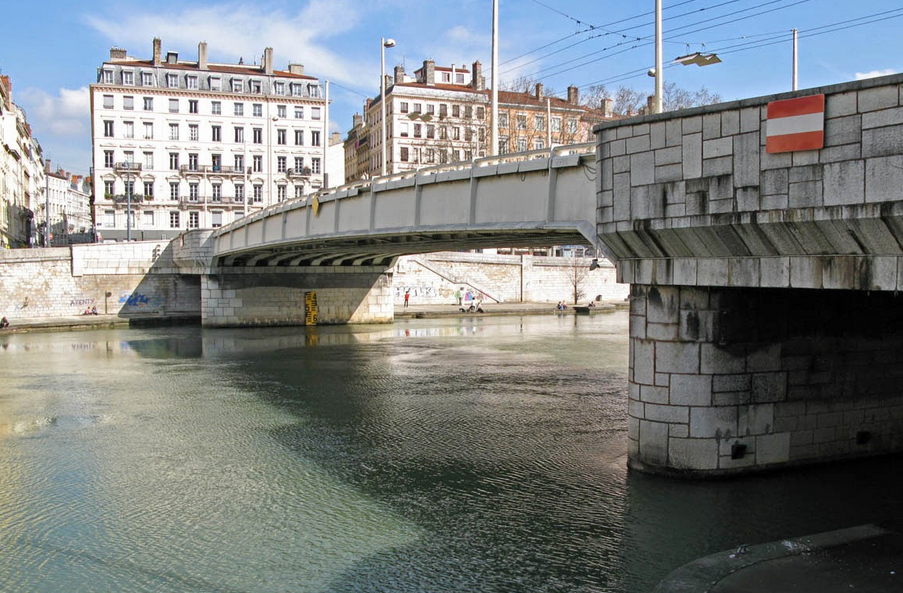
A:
{"x":172,"y":81}
{"x":128,"y":77}
{"x":216,"y":83}
{"x":313,"y":90}
{"x":147,"y":79}
{"x":255,"y":86}
{"x":191,"y":82}
{"x":108,"y":77}
{"x":297,"y":90}
{"x":279,"y":88}
{"x":237,"y":85}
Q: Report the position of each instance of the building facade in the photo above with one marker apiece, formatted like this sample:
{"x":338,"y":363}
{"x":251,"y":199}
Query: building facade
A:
{"x":68,"y":197}
{"x":22,"y":180}
{"x":181,"y":144}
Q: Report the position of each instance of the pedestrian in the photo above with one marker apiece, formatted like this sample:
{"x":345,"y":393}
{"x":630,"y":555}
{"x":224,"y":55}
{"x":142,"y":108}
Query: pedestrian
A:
{"x":458,"y":295}
{"x":407,"y":296}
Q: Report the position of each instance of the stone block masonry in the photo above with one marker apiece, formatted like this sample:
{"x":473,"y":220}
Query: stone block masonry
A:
{"x":727,"y":380}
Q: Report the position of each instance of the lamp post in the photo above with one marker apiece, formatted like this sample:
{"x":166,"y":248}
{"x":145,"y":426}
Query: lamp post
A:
{"x":128,"y":204}
{"x":382,"y":93}
{"x":659,"y":83}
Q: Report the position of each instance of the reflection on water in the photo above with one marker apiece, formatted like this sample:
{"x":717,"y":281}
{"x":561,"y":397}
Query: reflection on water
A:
{"x":482,"y":454}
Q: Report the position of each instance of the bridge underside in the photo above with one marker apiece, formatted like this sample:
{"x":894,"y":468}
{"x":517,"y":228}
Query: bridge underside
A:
{"x":382,"y":249}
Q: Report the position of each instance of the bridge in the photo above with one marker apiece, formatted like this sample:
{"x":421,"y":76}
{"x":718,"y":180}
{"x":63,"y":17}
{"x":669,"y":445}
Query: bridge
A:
{"x":765,"y":327}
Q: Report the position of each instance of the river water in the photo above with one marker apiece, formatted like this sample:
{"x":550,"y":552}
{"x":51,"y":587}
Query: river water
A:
{"x":448,"y":455}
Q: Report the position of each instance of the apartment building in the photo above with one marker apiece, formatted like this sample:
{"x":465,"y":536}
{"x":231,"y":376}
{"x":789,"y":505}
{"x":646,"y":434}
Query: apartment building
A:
{"x":22,"y":180}
{"x":182,"y":144}
{"x":68,"y":197}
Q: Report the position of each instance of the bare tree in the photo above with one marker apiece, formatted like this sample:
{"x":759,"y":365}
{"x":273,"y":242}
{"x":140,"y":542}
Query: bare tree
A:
{"x":674,"y":97}
{"x":628,"y":101}
{"x":576,"y":272}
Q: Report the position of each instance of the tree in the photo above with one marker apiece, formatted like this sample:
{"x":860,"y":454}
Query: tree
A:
{"x":576,"y":271}
{"x":674,"y":97}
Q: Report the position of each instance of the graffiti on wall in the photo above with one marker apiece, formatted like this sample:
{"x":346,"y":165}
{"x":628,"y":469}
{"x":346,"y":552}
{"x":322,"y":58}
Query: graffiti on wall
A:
{"x":424,"y":292}
{"x":136,"y":299}
{"x":81,"y":302}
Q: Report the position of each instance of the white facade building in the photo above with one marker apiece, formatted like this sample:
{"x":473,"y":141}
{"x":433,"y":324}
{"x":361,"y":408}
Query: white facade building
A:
{"x":193,"y":144}
{"x":69,"y":200}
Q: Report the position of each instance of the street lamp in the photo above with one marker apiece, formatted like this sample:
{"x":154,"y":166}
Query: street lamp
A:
{"x":382,"y":93}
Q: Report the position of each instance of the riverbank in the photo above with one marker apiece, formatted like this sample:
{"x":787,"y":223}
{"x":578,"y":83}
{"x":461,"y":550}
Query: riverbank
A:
{"x":78,"y":322}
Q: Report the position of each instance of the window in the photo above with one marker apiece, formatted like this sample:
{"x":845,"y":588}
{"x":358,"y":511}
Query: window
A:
{"x":217,"y":162}
{"x":128,"y":77}
{"x":108,"y":76}
{"x":299,"y":191}
{"x":193,"y":161}
{"x":299,"y":112}
{"x":481,"y":112}
{"x":174,"y":220}
{"x":556,"y":124}
{"x":148,"y":130}
{"x":191,"y":82}
{"x":193,"y":192}
{"x":417,"y":108}
{"x":237,"y":85}
{"x":174,"y":161}
{"x":148,"y":221}
{"x":279,"y":88}
{"x":257,"y":134}
{"x":539,"y":144}
{"x":404,"y":106}
{"x":149,"y":160}
{"x":280,"y":136}
{"x":239,"y":134}
{"x":173,"y":105}
{"x":239,"y":109}
{"x":258,"y":193}
{"x":443,"y":132}
{"x":503,"y":120}
{"x":521,"y":144}
{"x":257,"y":109}
{"x":572,"y":126}
{"x":108,"y":159}
{"x":173,"y":190}
{"x":239,"y":192}
{"x":216,"y":218}
{"x":468,"y":134}
{"x":172,"y":81}
{"x":417,"y":129}
{"x":258,"y":163}
{"x":459,"y":77}
{"x":216,"y":133}
{"x":299,"y":137}
{"x":148,"y":103}
{"x":503,"y":145}
{"x":314,"y":113}
{"x":430,"y":131}
{"x":443,"y":110}
{"x":109,"y":218}
{"x":239,"y":163}
{"x":539,"y":123}
{"x":280,"y":164}
{"x":456,"y":133}
{"x":217,"y":195}
{"x":315,"y":137}
{"x":108,"y":101}
{"x":404,"y":154}
{"x":108,"y":189}
{"x":313,"y":90}
{"x":280,"y":110}
{"x":216,"y":108}
{"x":430,"y":109}
{"x":216,"y":83}
{"x":299,"y":164}
{"x":403,"y":129}
{"x":147,"y":79}
{"x":192,"y":106}
{"x":107,"y":129}
{"x":280,"y":193}
{"x":128,"y":103}
{"x":148,"y":190}
{"x":446,"y":77}
{"x":129,"y":187}
{"x":456,"y":111}
{"x":430,"y":155}
{"x":173,"y":131}
{"x":193,"y":132}
{"x":194,"y":220}
{"x":443,"y":156}
{"x":315,"y":165}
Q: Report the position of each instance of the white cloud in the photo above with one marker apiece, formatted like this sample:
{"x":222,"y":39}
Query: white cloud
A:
{"x":237,"y":29}
{"x":874,"y":73}
{"x":66,"y":114}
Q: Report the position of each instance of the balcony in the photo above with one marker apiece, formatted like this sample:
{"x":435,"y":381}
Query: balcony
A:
{"x":212,"y":169}
{"x":125,"y":199}
{"x":210,"y":201}
{"x":298,"y":173}
{"x":127,"y":167}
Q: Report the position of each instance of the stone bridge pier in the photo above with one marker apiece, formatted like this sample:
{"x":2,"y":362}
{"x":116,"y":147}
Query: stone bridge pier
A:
{"x":766,"y":328}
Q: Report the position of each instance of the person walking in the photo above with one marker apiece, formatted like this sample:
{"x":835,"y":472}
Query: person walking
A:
{"x":407,"y":296}
{"x":458,"y":295}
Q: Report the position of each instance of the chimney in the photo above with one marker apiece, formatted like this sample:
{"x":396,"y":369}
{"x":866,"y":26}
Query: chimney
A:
{"x":117,"y":53}
{"x":268,"y":60}
{"x":453,"y":74}
{"x":157,"y":52}
{"x":399,"y":73}
{"x":573,"y":95}
{"x":335,"y":138}
{"x":296,"y":68}
{"x":172,"y":57}
{"x":539,"y":91}
{"x":357,"y":120}
{"x":608,"y":108}
{"x":429,"y":72}
{"x":202,"y":55}
{"x":477,"y":81}
{"x":47,"y":168}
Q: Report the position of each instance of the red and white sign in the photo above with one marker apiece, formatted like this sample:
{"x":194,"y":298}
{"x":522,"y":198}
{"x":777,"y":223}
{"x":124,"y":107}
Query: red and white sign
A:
{"x":796,"y":124}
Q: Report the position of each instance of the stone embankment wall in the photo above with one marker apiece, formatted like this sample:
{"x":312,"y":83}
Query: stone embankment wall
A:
{"x":729,"y":379}
{"x":132,"y":279}
{"x":434,"y":278}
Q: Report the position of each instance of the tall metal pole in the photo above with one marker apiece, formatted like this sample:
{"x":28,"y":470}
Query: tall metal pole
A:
{"x":326,"y":138}
{"x":494,"y":106}
{"x":549,"y":122}
{"x":659,"y":85}
{"x":128,"y":203}
{"x":46,"y":208}
{"x":382,"y":100}
{"x":794,"y":58}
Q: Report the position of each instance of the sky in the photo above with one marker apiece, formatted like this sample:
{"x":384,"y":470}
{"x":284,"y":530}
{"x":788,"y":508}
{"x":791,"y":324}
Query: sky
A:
{"x":52,"y":49}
